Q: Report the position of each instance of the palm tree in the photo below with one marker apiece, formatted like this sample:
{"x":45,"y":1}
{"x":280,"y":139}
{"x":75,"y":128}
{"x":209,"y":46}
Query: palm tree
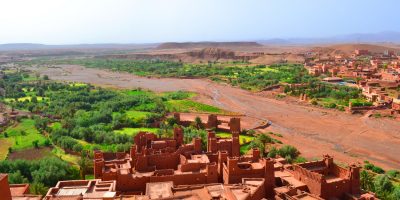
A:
{"x":367,"y":181}
{"x":83,"y":166}
{"x":198,"y":123}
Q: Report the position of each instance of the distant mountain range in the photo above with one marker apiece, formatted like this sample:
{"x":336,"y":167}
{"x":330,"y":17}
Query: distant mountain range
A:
{"x":381,"y":37}
{"x":33,"y":46}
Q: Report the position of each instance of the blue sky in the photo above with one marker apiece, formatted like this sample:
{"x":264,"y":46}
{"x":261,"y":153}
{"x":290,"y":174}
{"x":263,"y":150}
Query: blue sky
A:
{"x":146,"y":21}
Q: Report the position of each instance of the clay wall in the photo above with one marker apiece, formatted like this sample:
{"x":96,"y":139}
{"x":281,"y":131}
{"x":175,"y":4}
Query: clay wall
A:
{"x":182,"y":179}
{"x":191,"y":167}
{"x":5,"y":187}
{"x":233,"y":173}
{"x":159,"y":161}
{"x":212,"y":122}
{"x":129,"y":183}
{"x":335,"y":189}
{"x":339,"y":171}
{"x":311,"y":179}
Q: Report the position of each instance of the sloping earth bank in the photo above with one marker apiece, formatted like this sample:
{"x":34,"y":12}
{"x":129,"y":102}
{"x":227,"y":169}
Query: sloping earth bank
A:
{"x":349,"y":138}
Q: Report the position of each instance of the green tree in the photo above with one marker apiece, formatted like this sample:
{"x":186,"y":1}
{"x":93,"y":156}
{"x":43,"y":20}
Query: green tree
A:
{"x":383,"y":186}
{"x":17,"y":178}
{"x":35,"y":143}
{"x":83,"y":166}
{"x":367,"y":181}
{"x":38,"y":188}
{"x":198,"y":123}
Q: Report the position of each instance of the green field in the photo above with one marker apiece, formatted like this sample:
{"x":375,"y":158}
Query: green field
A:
{"x":192,"y":106}
{"x":243,"y":139}
{"x":29,"y":98}
{"x":77,"y":84}
{"x":5,"y":143}
{"x":60,"y":153}
{"x":136,"y":92}
{"x":136,"y":115}
{"x":134,"y":131}
{"x":55,"y":125}
{"x":326,"y":102}
{"x":22,"y":141}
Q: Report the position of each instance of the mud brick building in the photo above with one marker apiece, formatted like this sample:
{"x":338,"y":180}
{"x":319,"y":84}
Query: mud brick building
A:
{"x":166,"y":168}
{"x":232,"y":125}
{"x":82,"y":189}
{"x":15,"y":191}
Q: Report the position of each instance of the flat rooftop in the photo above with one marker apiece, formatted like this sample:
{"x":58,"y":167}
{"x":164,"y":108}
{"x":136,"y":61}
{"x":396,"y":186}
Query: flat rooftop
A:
{"x":158,"y":190}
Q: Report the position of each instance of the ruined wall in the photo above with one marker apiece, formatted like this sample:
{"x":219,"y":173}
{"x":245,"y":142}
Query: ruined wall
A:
{"x":311,"y":179}
{"x":129,"y":183}
{"x":335,"y":189}
{"x":159,"y":161}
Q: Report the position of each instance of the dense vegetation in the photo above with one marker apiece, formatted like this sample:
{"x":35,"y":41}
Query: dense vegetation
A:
{"x":328,"y":95}
{"x":384,"y":184}
{"x":42,"y":173}
{"x":247,"y":77}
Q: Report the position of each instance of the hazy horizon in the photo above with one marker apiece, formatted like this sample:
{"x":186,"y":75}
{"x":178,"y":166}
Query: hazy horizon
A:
{"x":155,"y":21}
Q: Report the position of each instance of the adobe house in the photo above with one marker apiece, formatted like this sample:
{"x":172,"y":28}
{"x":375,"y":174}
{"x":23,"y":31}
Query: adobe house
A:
{"x":165,"y":168}
{"x":15,"y":191}
{"x":231,"y":125}
{"x":82,"y":189}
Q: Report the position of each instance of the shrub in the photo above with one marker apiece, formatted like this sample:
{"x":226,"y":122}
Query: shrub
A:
{"x":288,"y":150}
{"x":372,"y":167}
{"x":331,"y":105}
{"x":383,"y":186}
{"x":77,"y":148}
{"x":393,"y":173}
{"x":47,"y":142}
{"x":314,"y":102}
{"x":367,"y":181}
{"x":300,"y":159}
{"x":35,"y":143}
{"x":251,"y":132}
{"x":272,"y":152}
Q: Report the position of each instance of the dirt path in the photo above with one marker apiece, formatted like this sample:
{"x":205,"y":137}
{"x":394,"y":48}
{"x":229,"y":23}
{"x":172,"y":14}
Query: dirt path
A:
{"x":313,"y":131}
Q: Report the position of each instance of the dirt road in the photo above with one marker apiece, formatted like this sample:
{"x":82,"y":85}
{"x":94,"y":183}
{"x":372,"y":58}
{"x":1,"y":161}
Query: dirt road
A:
{"x":313,"y":131}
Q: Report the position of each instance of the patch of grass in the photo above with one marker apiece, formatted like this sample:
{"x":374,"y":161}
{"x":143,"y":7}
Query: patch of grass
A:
{"x":178,"y":95}
{"x":136,"y":115}
{"x":24,"y":134}
{"x":55,"y":125}
{"x":244,"y":148}
{"x":134,"y":131}
{"x":5,"y":143}
{"x":136,"y":92}
{"x":89,"y":177}
{"x":77,"y":84}
{"x":191,"y":106}
{"x":29,"y":98}
{"x":243,"y":139}
{"x":60,"y":153}
{"x":30,"y":78}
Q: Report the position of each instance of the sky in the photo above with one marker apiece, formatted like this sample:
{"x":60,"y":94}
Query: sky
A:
{"x":151,"y":21}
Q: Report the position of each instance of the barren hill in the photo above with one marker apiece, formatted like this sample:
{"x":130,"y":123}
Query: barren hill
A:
{"x":193,"y":45}
{"x":213,"y":53}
